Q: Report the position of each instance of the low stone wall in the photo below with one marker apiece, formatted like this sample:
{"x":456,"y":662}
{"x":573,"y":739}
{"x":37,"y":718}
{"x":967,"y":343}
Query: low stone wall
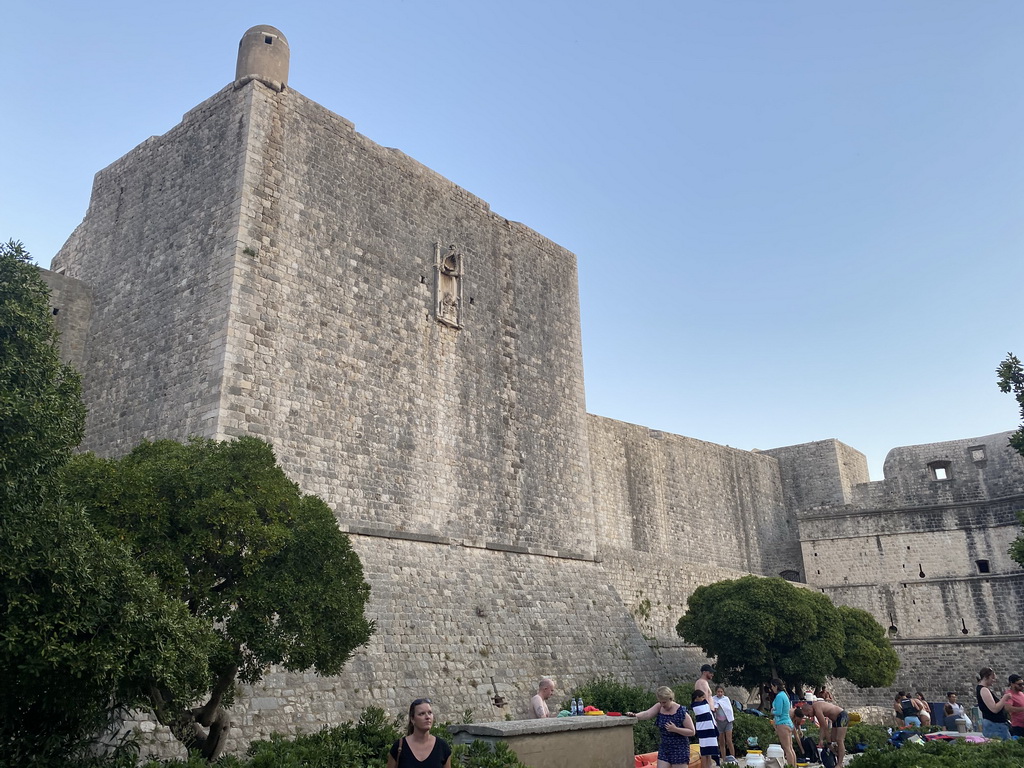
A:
{"x":593,"y":741}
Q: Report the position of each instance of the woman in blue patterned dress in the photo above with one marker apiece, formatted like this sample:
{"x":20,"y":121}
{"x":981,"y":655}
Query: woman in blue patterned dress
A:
{"x":675,"y":727}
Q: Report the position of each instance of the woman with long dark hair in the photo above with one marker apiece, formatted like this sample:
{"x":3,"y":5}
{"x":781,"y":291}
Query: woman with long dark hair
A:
{"x":419,"y":748}
{"x":993,"y":713}
{"x":783,"y":722}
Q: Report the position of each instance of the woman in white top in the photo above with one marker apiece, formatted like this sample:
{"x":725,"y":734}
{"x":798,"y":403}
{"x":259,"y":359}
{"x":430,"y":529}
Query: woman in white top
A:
{"x":724,"y":719}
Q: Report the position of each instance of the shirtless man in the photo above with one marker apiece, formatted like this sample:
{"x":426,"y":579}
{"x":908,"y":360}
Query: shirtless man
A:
{"x":539,"y":703}
{"x":824,"y":711}
{"x":704,"y":684}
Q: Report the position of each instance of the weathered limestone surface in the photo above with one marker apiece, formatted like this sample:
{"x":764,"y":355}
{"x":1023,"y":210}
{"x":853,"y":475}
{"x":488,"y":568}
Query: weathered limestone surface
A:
{"x":598,"y":741}
{"x":264,"y":269}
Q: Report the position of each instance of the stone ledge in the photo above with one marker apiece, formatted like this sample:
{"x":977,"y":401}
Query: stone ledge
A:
{"x":391,"y":533}
{"x":494,"y":546}
{"x":962,"y":640}
{"x":925,"y":580}
{"x":503,"y":729}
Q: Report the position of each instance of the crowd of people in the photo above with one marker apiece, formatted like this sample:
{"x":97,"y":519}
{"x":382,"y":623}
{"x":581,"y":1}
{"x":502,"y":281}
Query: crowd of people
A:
{"x":1002,"y":715}
{"x":710,"y":718}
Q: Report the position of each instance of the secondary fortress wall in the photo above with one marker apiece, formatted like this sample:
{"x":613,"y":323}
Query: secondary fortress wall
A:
{"x":672,"y":499}
{"x":156,"y":247}
{"x":926,"y":553}
{"x":399,"y":422}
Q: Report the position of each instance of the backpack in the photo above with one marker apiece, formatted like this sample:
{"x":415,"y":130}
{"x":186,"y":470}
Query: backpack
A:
{"x":810,"y":748}
{"x":828,"y":758}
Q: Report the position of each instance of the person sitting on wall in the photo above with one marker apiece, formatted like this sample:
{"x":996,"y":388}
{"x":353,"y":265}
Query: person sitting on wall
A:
{"x":958,"y":709}
{"x":949,"y":717}
{"x":539,"y":702}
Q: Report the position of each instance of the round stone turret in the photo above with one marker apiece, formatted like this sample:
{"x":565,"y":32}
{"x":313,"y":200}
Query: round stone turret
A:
{"x":263,"y":55}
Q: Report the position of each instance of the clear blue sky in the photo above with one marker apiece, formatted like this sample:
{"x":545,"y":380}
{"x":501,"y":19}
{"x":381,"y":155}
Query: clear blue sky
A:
{"x":794,"y":220}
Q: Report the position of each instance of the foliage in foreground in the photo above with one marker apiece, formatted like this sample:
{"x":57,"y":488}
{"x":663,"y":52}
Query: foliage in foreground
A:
{"x":752,"y":725}
{"x":82,"y":623}
{"x":363,"y":744}
{"x":869,"y":736}
{"x":1010,"y":374}
{"x":227,"y":535}
{"x":776,"y":629}
{"x":941,"y":754}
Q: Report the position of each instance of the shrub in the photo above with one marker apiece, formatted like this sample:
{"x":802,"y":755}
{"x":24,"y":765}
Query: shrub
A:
{"x":870,"y":736}
{"x":946,"y":754}
{"x":479,"y":754}
{"x":751,"y":725}
{"x":612,"y":696}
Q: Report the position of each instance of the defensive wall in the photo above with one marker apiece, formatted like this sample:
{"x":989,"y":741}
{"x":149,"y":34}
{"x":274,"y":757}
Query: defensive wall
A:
{"x":415,"y":359}
{"x":925,"y":551}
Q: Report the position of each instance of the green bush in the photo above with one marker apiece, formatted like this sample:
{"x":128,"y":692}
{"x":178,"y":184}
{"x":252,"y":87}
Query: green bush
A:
{"x":871,"y":736}
{"x":612,"y":696}
{"x":751,"y":725}
{"x":947,"y":754}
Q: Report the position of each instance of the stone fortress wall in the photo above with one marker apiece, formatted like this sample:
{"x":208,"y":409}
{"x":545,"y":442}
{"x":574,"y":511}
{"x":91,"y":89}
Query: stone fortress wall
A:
{"x":415,"y":359}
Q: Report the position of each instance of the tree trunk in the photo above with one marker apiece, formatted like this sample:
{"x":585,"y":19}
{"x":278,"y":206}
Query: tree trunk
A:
{"x":203,"y":729}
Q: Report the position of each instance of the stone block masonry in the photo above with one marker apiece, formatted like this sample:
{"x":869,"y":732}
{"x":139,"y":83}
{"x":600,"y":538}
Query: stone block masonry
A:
{"x":416,"y":361}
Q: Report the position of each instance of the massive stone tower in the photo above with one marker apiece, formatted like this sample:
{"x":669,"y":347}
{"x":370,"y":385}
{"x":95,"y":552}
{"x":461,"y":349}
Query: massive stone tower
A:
{"x":415,"y":359}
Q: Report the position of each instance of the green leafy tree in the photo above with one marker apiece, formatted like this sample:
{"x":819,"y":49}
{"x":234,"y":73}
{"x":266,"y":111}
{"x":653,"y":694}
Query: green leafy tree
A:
{"x":868,"y":659}
{"x":42,"y":417}
{"x":762,"y":628}
{"x":227,"y":534}
{"x":1010,"y":375}
{"x":81,"y":621}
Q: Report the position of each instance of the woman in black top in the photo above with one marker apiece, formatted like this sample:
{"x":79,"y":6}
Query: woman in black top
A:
{"x":993,"y":714}
{"x":419,"y":748}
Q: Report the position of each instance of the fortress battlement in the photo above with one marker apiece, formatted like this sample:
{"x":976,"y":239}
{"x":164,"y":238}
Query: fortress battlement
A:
{"x":416,"y":361}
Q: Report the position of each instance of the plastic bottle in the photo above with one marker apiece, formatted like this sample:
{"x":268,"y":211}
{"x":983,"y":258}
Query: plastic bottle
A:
{"x":579,"y":706}
{"x":574,"y":707}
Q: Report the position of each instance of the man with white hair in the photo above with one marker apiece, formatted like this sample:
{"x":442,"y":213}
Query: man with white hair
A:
{"x":539,"y":703}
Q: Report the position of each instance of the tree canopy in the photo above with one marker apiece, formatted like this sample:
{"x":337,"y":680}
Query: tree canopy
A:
{"x":42,"y":417}
{"x":83,"y":628}
{"x":1010,"y":377}
{"x":227,"y":534}
{"x":762,"y":628}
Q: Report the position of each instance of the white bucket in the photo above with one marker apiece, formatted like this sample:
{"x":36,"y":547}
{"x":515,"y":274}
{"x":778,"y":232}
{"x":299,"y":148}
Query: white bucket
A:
{"x":774,"y":750}
{"x":754,"y":759}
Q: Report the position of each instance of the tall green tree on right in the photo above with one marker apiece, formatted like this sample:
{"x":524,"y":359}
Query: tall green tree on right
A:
{"x":1010,"y":376}
{"x":761,"y":628}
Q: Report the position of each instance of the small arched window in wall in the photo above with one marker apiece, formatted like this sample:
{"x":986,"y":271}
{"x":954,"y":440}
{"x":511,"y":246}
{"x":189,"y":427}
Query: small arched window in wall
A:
{"x":940,"y":470}
{"x":791,"y":575}
{"x":983,"y":566}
